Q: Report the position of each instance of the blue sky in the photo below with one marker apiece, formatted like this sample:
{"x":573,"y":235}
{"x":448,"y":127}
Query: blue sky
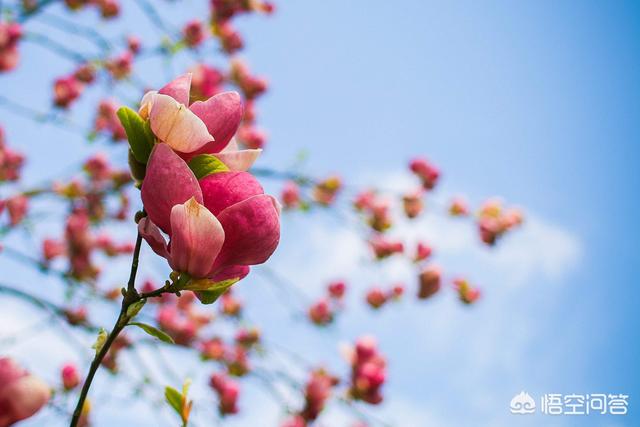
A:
{"x":535,"y":101}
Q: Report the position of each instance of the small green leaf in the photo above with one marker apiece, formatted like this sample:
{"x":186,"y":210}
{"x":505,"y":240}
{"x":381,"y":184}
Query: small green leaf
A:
{"x":215,"y":290}
{"x":174,"y":398}
{"x":139,"y":133}
{"x":206,"y":164}
{"x":135,"y":308}
{"x":100,"y":340}
{"x":185,"y":387}
{"x":154,"y":332}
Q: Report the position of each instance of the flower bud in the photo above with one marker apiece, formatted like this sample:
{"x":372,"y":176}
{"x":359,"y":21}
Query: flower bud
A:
{"x":70,"y":376}
{"x":429,"y":279}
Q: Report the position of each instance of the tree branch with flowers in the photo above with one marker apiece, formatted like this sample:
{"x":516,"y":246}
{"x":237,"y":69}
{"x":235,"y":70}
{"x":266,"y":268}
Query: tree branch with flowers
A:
{"x":190,"y":149}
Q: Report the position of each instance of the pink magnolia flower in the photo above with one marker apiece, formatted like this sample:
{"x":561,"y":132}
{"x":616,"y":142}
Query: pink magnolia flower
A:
{"x":321,"y":313}
{"x":204,"y":127}
{"x":134,"y":44}
{"x":230,"y":305}
{"x":337,"y":289}
{"x":426,"y":171}
{"x":384,"y":247}
{"x":70,"y":376}
{"x":376,"y":297}
{"x":107,"y":121}
{"x":108,"y":8}
{"x":52,"y":248}
{"x":458,"y":207}
{"x":467,"y":293}
{"x":86,"y":73}
{"x":397,"y":291}
{"x":423,"y":251}
{"x":413,"y":204}
{"x":290,"y":195}
{"x":206,"y":81}
{"x":10,"y":34}
{"x":251,"y":137}
{"x":230,"y":39}
{"x":228,"y":392}
{"x":368,"y":371}
{"x":429,"y":280}
{"x":218,"y":226}
{"x":316,"y":393}
{"x":10,"y":161}
{"x":193,"y":33}
{"x":66,"y":90}
{"x":213,"y":349}
{"x":120,"y":66}
{"x":17,"y":207}
{"x":21,"y":394}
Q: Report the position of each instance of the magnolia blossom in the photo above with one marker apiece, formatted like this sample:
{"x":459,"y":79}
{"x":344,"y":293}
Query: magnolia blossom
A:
{"x":228,"y":392}
{"x":21,"y":394}
{"x":321,"y":312}
{"x":290,"y":195}
{"x":70,"y":376}
{"x":368,"y":371}
{"x":467,"y":293}
{"x":423,"y":251}
{"x":204,"y":127}
{"x":429,"y":280}
{"x":193,"y":33}
{"x":337,"y":289}
{"x":427,"y":172}
{"x":218,"y":225}
{"x":10,"y":34}
{"x":376,"y":297}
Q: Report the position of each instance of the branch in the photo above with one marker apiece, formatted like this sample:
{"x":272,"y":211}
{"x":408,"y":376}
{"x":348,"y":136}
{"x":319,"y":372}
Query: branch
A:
{"x":131,"y":296}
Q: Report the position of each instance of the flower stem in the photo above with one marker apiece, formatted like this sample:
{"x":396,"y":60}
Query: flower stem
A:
{"x":131,"y":296}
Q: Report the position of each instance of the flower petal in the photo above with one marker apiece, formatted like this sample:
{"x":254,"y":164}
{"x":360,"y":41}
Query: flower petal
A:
{"x":173,"y":123}
{"x":168,"y":182}
{"x":221,"y":114}
{"x":196,"y":239}
{"x":252,"y":231}
{"x":151,"y":233}
{"x":178,"y":89}
{"x":146,"y":103}
{"x":223,"y":189}
{"x":230,"y":272}
{"x":240,"y":160}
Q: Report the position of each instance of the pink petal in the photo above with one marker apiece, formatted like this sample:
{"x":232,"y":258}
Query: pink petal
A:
{"x":173,"y":123}
{"x":240,"y":160}
{"x":178,"y":89}
{"x":222,"y":114}
{"x":146,"y":103}
{"x":223,"y":189}
{"x":196,"y":239}
{"x":151,"y":233}
{"x":168,"y":182}
{"x":231,"y":272}
{"x":252,"y":231}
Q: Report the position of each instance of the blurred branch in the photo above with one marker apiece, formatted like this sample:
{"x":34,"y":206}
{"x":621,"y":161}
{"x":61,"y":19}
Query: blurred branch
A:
{"x":56,"y":47}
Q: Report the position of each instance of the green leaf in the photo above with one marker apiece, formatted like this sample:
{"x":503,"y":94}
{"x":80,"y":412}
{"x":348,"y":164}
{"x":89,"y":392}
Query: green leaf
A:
{"x":135,"y":308}
{"x":139,"y":133}
{"x":154,"y":332}
{"x":210,"y":294}
{"x":100,"y":340}
{"x":206,"y":164}
{"x":174,"y":398}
